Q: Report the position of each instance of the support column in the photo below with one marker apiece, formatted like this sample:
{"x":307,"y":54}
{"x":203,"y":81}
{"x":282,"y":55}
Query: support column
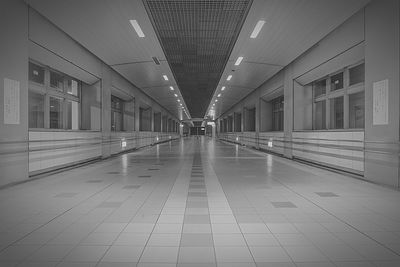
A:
{"x":382,"y":63}
{"x":288,"y":87}
{"x":14,"y":72}
{"x":106,"y":111}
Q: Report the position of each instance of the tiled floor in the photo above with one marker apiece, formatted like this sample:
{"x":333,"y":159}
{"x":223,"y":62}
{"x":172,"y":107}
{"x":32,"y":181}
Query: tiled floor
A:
{"x":196,"y":202}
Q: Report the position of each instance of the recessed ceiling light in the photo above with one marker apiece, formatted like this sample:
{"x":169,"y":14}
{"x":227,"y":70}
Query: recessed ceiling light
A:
{"x":214,"y":104}
{"x":218,"y":95}
{"x":171,"y":88}
{"x":137,"y":28}
{"x":229,"y":78}
{"x":223,"y":88}
{"x":165,"y":77}
{"x":257,"y":29}
{"x":179,"y":100}
{"x":175,"y":95}
{"x":216,"y":100}
{"x":238,"y":60}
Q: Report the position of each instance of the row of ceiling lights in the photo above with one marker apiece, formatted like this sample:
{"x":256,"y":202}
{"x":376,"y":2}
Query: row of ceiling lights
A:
{"x":253,"y":35}
{"x":140,"y":33}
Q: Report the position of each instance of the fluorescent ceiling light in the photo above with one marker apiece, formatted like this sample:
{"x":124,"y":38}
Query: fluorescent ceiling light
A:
{"x":229,"y":78}
{"x":238,"y":60}
{"x":257,"y":29}
{"x":218,"y":95}
{"x":171,"y":88}
{"x":165,"y":77}
{"x":175,"y":95}
{"x":137,"y":28}
{"x":223,"y":88}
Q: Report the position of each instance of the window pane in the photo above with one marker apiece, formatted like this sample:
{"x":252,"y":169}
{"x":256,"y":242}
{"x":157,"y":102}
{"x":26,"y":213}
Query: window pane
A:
{"x":72,"y":115}
{"x":320,"y":115}
{"x":356,"y":110}
{"x":116,"y":121}
{"x":72,"y":87}
{"x":36,"y":73}
{"x":56,"y":80}
{"x":337,"y":81}
{"x":319,"y":88}
{"x":277,"y":114}
{"x":357,"y":74}
{"x":336,"y":113}
{"x":36,"y":110}
{"x":56,"y":113}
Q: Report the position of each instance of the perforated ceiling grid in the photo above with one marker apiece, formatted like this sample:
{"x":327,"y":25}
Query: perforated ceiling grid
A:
{"x":197,"y":37}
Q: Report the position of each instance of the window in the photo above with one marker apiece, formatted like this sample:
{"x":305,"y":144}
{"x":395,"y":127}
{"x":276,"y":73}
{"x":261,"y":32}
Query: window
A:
{"x":338,"y":100}
{"x":56,"y":80}
{"x":320,"y":115}
{"x":36,"y":73}
{"x":319,"y":88}
{"x":36,"y":110}
{"x":356,"y":110}
{"x":116,"y":113}
{"x":337,"y":81}
{"x":357,"y":74}
{"x":51,"y":104}
{"x":72,"y":86}
{"x":56,"y":113}
{"x":277,"y":114}
{"x":72,"y":115}
{"x":336,"y":113}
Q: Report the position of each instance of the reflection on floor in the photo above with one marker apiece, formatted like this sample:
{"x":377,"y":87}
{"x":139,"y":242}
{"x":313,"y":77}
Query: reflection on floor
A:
{"x":196,"y":202}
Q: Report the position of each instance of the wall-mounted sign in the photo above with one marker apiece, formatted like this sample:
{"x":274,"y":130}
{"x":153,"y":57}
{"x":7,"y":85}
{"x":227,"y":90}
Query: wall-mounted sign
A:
{"x":380,"y":102}
{"x":11,"y":101}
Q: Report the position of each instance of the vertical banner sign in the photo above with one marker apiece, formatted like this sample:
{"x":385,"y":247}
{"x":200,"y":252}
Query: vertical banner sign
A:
{"x":380,"y":103}
{"x":11,"y":101}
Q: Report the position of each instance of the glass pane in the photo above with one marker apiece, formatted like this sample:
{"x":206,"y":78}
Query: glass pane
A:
{"x":337,"y":81}
{"x":56,"y":113}
{"x":56,"y":80}
{"x":319,"y":88}
{"x":72,"y":87}
{"x":72,"y":115}
{"x":320,"y":115}
{"x":356,"y":110}
{"x":36,"y":73}
{"x":116,"y":121}
{"x":357,"y":74}
{"x":336,"y":113}
{"x":36,"y":110}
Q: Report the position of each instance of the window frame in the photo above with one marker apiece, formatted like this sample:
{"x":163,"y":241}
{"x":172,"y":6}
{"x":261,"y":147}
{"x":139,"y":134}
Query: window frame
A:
{"x":344,"y":92}
{"x":49,"y":91}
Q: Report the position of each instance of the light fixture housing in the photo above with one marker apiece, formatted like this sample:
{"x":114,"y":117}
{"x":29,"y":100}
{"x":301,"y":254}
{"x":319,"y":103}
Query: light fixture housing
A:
{"x":165,"y":77}
{"x":229,"y":77}
{"x":137,"y":28}
{"x":257,"y":29}
{"x":238,"y":61}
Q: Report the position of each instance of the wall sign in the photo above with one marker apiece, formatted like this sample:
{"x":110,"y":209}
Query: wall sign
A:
{"x":11,"y":101}
{"x":380,"y":102}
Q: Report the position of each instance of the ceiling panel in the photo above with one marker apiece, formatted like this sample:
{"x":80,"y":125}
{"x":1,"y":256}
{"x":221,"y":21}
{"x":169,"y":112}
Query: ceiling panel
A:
{"x":197,"y":37}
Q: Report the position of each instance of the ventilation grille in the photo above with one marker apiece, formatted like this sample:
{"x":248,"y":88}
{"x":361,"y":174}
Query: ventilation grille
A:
{"x":197,"y":37}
